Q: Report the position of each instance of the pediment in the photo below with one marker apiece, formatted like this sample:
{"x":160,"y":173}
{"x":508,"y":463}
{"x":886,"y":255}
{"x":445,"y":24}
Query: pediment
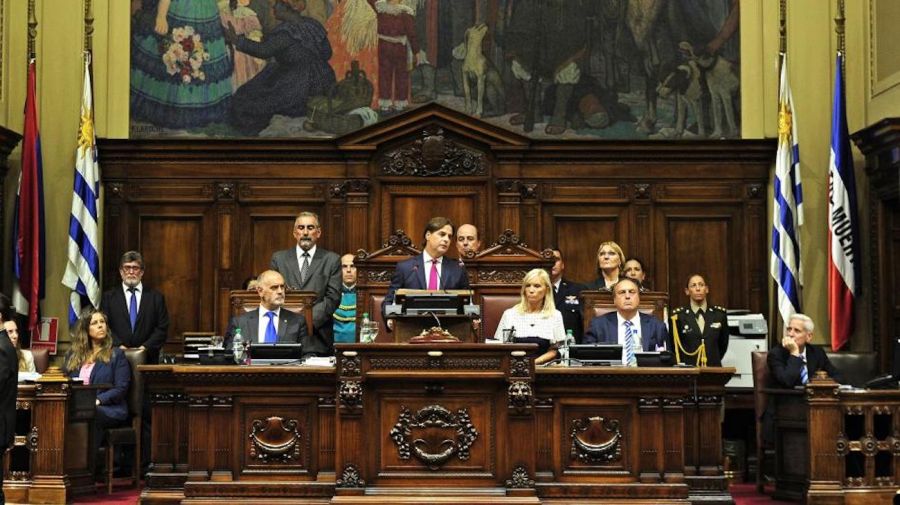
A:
{"x":431,"y":117}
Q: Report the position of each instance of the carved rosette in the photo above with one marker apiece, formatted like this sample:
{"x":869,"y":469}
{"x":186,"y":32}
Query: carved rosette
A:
{"x":842,"y":445}
{"x":599,"y":451}
{"x":350,"y":366}
{"x":397,"y":239}
{"x":869,"y":445}
{"x":432,"y":156}
{"x":641,"y":191}
{"x":520,"y":479}
{"x":33,"y":439}
{"x":274,"y":439}
{"x":521,"y":396}
{"x":23,"y":404}
{"x":350,"y":393}
{"x":225,"y":191}
{"x":518,"y":366}
{"x":350,"y":478}
{"x":461,"y":435}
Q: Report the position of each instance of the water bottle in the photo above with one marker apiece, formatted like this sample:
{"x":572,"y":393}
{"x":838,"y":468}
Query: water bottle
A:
{"x":238,"y":347}
{"x":365,"y":333}
{"x":564,"y":348}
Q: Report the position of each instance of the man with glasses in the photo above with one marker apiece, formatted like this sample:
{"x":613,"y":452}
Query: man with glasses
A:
{"x":308,"y":267}
{"x":138,"y":317}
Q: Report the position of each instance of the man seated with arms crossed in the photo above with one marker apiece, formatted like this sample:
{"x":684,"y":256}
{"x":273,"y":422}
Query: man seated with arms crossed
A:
{"x":796,"y":361}
{"x":467,"y":240}
{"x":627,"y":326}
{"x":428,"y":270}
{"x":309,"y":267}
{"x":271,"y":323}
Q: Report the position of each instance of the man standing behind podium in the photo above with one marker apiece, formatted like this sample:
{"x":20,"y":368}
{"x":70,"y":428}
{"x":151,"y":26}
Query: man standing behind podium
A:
{"x":308,"y":267}
{"x":429,"y":270}
{"x":138,"y":317}
{"x":270,"y":323}
{"x":627,"y":326}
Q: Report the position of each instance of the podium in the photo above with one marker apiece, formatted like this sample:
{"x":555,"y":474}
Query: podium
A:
{"x":416,"y":310}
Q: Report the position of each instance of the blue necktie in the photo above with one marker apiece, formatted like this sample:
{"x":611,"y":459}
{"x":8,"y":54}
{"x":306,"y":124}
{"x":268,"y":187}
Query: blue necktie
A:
{"x":271,"y":334}
{"x":630,"y":358}
{"x":804,"y":373}
{"x":132,"y":307}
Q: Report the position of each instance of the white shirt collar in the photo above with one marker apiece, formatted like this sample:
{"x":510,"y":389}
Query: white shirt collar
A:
{"x":300,"y":251}
{"x":636,"y":320}
{"x":557,"y":284}
{"x":138,"y":289}
{"x":429,"y":259}
{"x":263,"y":311}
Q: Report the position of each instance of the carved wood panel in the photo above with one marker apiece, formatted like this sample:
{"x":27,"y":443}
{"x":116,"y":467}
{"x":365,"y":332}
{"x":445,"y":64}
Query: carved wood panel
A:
{"x":579,"y":229}
{"x":409,"y":206}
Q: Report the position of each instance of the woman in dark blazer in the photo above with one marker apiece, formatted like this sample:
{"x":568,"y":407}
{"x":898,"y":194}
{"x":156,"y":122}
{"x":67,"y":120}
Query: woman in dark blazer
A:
{"x":93,"y":358}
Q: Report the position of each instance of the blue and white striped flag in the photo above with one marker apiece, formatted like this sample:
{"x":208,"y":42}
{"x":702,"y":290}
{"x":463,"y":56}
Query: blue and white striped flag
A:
{"x":787,"y":212}
{"x":83,"y":266}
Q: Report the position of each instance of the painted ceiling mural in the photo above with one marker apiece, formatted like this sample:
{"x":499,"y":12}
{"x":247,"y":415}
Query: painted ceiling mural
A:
{"x":567,"y":69}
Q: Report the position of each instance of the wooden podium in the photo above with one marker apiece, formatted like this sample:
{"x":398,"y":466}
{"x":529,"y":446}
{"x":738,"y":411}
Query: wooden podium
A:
{"x":408,"y":326}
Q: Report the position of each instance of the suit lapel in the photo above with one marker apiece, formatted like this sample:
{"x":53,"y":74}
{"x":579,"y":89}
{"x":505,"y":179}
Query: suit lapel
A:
{"x":123,"y":309}
{"x":447,"y":273}
{"x":282,"y":325}
{"x":253,"y":330}
{"x":315,"y":264}
{"x":423,"y":282}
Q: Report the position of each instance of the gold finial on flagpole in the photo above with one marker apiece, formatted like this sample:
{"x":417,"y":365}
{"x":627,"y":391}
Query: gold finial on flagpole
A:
{"x":32,"y":31}
{"x":88,"y":26}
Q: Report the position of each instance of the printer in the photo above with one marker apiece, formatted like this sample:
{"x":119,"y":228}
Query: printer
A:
{"x":748,"y":334}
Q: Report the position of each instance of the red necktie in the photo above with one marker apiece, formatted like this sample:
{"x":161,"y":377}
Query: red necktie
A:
{"x":433,"y":276}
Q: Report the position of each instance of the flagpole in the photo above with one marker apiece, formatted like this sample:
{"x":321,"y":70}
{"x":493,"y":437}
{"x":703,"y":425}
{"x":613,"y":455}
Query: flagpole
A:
{"x":839,"y":22}
{"x":32,"y":31}
{"x":88,"y":26}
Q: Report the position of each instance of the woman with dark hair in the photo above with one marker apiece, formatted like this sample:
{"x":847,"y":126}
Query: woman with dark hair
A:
{"x":26,"y":359}
{"x":94,"y":360}
{"x":610,"y":260}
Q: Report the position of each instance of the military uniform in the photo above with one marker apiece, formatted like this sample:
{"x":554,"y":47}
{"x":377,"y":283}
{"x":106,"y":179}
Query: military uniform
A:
{"x":714,"y":333}
{"x":567,"y":298}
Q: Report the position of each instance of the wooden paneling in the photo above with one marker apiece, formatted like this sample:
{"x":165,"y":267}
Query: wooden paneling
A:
{"x":681,"y":206}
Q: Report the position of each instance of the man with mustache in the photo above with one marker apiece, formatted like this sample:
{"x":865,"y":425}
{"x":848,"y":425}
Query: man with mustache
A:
{"x":271,"y":323}
{"x":308,"y":267}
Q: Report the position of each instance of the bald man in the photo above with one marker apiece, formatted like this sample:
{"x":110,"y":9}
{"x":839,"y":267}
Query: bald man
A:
{"x":271,"y":323}
{"x":467,"y":240}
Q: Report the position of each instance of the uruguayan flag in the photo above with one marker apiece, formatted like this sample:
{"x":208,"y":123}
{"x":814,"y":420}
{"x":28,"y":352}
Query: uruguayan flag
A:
{"x":83,"y":266}
{"x":787,"y":212}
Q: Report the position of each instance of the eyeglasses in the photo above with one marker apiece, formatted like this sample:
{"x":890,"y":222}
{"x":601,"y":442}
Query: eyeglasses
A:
{"x":131,"y":268}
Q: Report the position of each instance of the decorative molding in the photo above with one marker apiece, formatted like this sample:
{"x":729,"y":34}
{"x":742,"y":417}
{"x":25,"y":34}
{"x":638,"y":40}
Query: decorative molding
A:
{"x":33,"y":439}
{"x":526,"y":191}
{"x":378,"y":276}
{"x":590,"y":452}
{"x":221,"y":400}
{"x":350,"y":478}
{"x":520,"y":479}
{"x":520,"y":395}
{"x":501,"y":276}
{"x":755,"y":191}
{"x":340,"y":190}
{"x":225,"y":191}
{"x":350,"y":393}
{"x":274,"y":439}
{"x":351,"y":366}
{"x":23,"y":404}
{"x":433,"y":155}
{"x":429,"y":363}
{"x":641,"y":191}
{"x":434,"y":416}
{"x":518,"y":366}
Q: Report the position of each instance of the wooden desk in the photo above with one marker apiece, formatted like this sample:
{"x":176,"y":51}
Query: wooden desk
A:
{"x":401,"y":423}
{"x":854,"y":455}
{"x":50,"y":461}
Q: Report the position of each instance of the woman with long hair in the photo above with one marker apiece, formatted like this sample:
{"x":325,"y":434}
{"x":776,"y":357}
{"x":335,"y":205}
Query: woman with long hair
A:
{"x":94,"y":360}
{"x":535,"y":317}
{"x":26,"y":359}
{"x":610,"y":260}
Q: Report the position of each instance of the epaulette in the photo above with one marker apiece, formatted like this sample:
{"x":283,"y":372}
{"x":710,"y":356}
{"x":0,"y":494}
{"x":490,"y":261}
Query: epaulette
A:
{"x":718,"y":307}
{"x":678,"y":310}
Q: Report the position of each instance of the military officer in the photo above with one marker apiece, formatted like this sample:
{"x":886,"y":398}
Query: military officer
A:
{"x":700,"y":322}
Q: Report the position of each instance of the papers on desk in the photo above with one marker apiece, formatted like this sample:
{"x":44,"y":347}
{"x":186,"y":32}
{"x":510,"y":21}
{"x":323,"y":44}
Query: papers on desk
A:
{"x":317,"y":361}
{"x":29,"y":376}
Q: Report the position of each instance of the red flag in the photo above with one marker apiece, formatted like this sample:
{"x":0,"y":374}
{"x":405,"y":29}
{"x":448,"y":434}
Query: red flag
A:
{"x":28,"y":225}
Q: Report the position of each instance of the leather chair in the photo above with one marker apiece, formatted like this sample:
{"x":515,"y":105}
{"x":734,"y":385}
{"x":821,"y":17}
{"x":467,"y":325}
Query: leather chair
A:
{"x":856,"y":368}
{"x":760,"y":402}
{"x":492,"y":308}
{"x":128,"y":435}
{"x":243,"y":300}
{"x":41,"y":360}
{"x":374,"y":310}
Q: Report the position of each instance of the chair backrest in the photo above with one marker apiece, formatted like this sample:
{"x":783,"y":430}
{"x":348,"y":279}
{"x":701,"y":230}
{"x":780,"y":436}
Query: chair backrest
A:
{"x":41,"y":359}
{"x":301,"y":302}
{"x":492,"y":308}
{"x":374,"y":310}
{"x":135,"y":357}
{"x":857,"y":368}
{"x":598,"y":303}
{"x":760,"y":381}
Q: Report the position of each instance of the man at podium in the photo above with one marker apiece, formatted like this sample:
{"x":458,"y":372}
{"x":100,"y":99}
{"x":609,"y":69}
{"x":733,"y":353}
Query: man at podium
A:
{"x":429,"y":270}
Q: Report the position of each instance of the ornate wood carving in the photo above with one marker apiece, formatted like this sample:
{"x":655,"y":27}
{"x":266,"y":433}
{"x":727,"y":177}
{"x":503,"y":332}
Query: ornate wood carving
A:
{"x":350,"y":478}
{"x":433,"y":155}
{"x":461,"y":435}
{"x":340,"y":190}
{"x":521,"y":395}
{"x":520,"y":479}
{"x":585,"y":446}
{"x":275,"y":439}
{"x":350,"y":393}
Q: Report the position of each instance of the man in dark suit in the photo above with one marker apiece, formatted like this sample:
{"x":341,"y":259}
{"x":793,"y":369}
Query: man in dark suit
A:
{"x":627,"y":322}
{"x":137,"y":314}
{"x":308,"y":267}
{"x":9,"y":376}
{"x":270,"y":323}
{"x":796,"y":361}
{"x":567,"y":297}
{"x":429,"y":270}
{"x":700,"y":322}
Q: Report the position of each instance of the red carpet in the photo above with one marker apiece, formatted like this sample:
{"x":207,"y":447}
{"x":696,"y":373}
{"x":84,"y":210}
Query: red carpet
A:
{"x":744,"y":494}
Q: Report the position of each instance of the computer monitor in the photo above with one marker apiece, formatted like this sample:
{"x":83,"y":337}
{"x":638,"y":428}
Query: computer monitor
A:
{"x":596,"y":354}
{"x":275,"y":354}
{"x":654,"y":358}
{"x":439,"y":302}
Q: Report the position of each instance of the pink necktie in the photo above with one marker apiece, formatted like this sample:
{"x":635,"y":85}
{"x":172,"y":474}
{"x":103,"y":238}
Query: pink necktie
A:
{"x":433,"y":276}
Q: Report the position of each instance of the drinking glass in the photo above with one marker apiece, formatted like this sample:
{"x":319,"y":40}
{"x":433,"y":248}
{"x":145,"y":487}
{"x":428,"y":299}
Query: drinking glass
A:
{"x":372,"y":330}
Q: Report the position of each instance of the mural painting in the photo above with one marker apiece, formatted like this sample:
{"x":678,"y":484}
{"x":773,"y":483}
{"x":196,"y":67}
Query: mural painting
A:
{"x":567,"y":69}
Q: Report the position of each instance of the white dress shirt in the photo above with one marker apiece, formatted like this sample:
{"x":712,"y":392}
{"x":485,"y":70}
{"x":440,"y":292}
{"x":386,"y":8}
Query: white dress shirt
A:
{"x":137,"y":291}
{"x":635,"y":333}
{"x":440,"y":263}
{"x":300,"y":251}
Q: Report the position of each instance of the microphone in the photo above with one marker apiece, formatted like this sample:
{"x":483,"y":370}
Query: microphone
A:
{"x":438,"y":321}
